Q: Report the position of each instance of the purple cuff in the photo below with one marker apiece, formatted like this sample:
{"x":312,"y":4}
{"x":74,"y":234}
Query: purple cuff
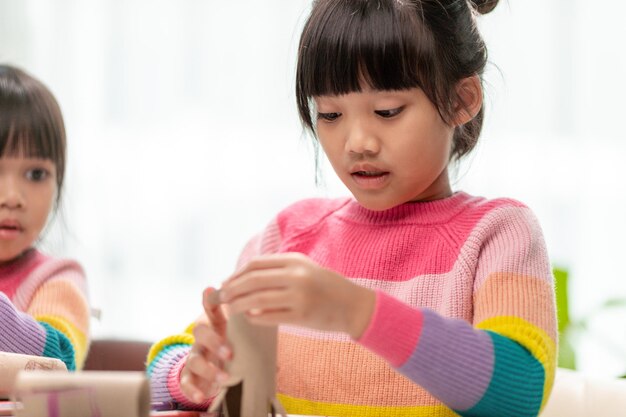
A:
{"x":453,"y":361}
{"x":19,"y":333}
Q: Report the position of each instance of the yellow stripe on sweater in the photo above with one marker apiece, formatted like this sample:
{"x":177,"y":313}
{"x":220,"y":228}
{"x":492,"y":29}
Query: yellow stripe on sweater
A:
{"x":533,"y":338}
{"x":75,"y":336}
{"x":184,"y":338}
{"x":299,"y":406}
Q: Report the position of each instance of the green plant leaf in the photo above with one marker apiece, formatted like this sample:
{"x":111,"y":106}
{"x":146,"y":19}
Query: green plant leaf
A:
{"x":562,"y":304}
{"x":567,"y":355}
{"x":614,"y":302}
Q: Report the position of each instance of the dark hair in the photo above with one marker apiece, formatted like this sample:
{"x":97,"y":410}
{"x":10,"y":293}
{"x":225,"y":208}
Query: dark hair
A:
{"x":31,"y":123}
{"x":393,"y":45}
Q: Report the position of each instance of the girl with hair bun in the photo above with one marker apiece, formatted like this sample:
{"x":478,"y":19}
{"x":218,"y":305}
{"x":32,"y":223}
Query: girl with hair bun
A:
{"x":409,"y":298}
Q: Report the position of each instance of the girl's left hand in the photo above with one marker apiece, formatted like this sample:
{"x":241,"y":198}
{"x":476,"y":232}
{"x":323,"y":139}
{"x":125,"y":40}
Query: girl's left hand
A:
{"x":289,"y":288}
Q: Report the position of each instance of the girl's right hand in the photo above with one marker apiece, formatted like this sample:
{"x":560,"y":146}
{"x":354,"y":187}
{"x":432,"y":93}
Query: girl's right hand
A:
{"x":204,"y":369}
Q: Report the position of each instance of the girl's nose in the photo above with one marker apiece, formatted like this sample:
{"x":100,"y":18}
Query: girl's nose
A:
{"x":10,"y":194}
{"x":362,"y":139}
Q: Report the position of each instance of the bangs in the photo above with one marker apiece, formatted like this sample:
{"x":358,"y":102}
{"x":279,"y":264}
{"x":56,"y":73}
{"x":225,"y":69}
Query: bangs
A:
{"x":31,"y":124}
{"x":352,"y":44}
{"x":26,"y":135}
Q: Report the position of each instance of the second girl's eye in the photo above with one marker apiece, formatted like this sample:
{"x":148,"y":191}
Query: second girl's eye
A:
{"x":387,"y":114}
{"x":329,"y":117}
{"x":37,"y":174}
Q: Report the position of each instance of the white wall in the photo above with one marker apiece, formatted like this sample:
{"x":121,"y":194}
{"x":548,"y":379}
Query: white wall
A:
{"x":184,"y":141}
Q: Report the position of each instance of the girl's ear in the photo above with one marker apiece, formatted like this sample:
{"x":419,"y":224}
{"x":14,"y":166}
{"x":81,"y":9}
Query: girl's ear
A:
{"x":469,"y":95}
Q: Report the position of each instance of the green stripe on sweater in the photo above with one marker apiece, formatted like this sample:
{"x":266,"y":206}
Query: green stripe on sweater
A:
{"x":516,"y":387}
{"x":59,"y":346}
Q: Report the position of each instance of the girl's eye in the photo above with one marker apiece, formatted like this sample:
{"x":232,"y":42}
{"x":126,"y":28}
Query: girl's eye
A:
{"x":387,"y":114}
{"x":37,"y":174}
{"x":329,"y":117}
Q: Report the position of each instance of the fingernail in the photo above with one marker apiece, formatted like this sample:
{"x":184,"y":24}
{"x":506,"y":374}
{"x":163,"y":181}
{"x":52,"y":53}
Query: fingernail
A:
{"x":223,"y":352}
{"x":221,"y":377}
{"x":212,"y":297}
{"x":255,"y":311}
{"x":197,"y":397}
{"x":223,"y":296}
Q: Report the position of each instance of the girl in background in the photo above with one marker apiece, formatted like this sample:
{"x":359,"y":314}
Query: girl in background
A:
{"x":409,"y":298}
{"x":43,"y":301}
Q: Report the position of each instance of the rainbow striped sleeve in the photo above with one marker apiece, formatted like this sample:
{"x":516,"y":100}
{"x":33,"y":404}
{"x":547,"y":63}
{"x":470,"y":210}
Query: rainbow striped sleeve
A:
{"x":55,"y":320}
{"x":501,"y":364}
{"x":166,"y":359}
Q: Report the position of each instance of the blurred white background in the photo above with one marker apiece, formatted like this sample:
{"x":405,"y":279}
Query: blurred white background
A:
{"x":184,"y":141}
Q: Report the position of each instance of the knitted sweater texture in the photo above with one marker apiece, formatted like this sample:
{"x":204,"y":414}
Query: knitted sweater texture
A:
{"x":464,"y":322}
{"x":44,"y":309}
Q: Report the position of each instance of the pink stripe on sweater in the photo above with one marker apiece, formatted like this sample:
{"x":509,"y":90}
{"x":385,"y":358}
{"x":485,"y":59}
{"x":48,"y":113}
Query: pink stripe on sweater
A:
{"x":13,"y":274}
{"x":381,"y":245}
{"x":268,"y":242}
{"x":68,"y":269}
{"x":512,"y":242}
{"x":393,"y":321}
{"x":440,"y":293}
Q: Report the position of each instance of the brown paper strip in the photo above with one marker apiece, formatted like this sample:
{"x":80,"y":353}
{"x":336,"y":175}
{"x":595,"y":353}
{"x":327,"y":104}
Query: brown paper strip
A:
{"x":82,"y":394}
{"x":12,"y":363}
{"x":251,"y":388}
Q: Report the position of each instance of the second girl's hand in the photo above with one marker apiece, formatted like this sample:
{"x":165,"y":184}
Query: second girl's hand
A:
{"x":204,"y":370}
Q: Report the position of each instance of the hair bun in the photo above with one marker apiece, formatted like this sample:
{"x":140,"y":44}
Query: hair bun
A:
{"x":484,"y":6}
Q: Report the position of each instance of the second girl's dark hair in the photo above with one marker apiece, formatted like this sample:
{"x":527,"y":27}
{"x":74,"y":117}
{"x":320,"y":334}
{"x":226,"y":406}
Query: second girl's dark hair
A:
{"x":393,"y":45}
{"x":31,"y":123}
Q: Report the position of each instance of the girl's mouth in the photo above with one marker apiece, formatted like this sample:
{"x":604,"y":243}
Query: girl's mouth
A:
{"x":9,"y":232}
{"x":370,"y":180}
{"x":368,"y":173}
{"x":10,"y":224}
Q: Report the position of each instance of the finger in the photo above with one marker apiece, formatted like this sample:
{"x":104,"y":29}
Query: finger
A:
{"x":197,"y":378}
{"x":189,"y":389}
{"x":273,"y":317}
{"x":262,"y":301}
{"x":197,"y":389}
{"x":199,"y":365}
{"x":212,"y":345}
{"x":214,"y":311}
{"x":205,"y":374}
{"x":201,"y":378}
{"x":275,"y":260}
{"x":254,"y":281}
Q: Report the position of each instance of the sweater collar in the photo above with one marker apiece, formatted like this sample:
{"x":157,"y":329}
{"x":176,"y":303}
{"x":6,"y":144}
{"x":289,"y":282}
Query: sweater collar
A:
{"x":421,"y":212}
{"x":27,"y":258}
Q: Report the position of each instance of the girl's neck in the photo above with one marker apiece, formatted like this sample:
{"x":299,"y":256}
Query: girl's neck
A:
{"x":439,"y":189}
{"x":418,"y":212}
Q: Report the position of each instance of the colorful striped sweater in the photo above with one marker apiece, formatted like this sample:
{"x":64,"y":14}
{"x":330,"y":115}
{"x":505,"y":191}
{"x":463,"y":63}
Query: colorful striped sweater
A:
{"x":44,"y":309}
{"x":464,"y":322}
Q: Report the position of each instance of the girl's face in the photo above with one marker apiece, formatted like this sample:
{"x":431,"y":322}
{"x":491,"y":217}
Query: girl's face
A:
{"x":388,"y":147}
{"x":27,"y":192}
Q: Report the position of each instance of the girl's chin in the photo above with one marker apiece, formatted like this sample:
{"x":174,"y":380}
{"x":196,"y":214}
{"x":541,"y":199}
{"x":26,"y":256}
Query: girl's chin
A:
{"x":7,"y":256}
{"x":376,"y":204}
